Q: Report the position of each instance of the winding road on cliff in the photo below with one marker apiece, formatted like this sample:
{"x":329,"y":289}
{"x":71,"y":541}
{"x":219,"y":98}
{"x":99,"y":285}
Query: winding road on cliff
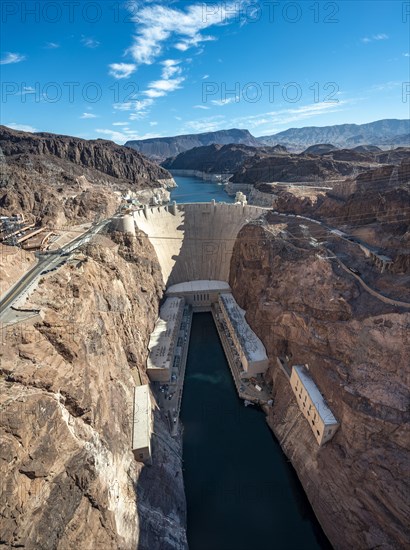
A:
{"x":47,"y":262}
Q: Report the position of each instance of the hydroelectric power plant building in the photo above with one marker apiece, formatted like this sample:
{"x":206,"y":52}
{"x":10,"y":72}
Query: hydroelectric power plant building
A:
{"x":141,"y":426}
{"x":312,"y":404}
{"x":250,"y":349}
{"x":163,"y":340}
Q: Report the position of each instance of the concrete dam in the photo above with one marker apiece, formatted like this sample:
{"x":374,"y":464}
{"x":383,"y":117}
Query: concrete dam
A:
{"x":195,"y":241}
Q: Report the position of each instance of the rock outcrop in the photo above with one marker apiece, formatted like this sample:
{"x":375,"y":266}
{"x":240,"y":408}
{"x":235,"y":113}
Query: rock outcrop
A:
{"x":60,"y":179}
{"x":218,"y":159}
{"x":121,"y":163}
{"x":315,"y":169}
{"x":306,"y":308}
{"x":14,"y":262}
{"x":67,"y":469}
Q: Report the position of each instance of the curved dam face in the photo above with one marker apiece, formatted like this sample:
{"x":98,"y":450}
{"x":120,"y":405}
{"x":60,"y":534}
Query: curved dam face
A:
{"x":195,"y":241}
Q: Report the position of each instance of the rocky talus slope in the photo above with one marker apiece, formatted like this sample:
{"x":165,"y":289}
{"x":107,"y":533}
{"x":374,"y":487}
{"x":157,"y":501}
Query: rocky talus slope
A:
{"x":66,"y":398}
{"x":61,"y":179}
{"x":357,"y":349}
{"x":14,"y":262}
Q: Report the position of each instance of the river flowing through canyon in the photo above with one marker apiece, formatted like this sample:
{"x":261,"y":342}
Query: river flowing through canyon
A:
{"x":241,"y":491}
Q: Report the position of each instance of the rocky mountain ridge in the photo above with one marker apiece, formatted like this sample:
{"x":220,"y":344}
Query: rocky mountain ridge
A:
{"x":385,"y":133}
{"x":161,"y":148}
{"x":60,"y":179}
{"x":216,"y":158}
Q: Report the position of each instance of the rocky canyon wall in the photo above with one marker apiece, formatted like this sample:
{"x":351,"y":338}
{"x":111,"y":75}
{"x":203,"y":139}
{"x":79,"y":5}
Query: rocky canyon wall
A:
{"x":357,"y":349}
{"x":67,"y":469}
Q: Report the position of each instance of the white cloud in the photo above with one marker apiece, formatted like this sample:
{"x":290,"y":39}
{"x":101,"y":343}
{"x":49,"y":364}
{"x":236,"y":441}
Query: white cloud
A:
{"x":120,"y":123}
{"x":170,"y":68}
{"x":137,"y":105}
{"x":21,"y":127}
{"x":122,"y":137}
{"x":11,"y":57}
{"x":205,"y":76}
{"x":204,"y":107}
{"x":407,"y":54}
{"x":153,"y":123}
{"x":287,"y":116}
{"x":374,"y":37}
{"x":208,"y":124}
{"x":90,"y":42}
{"x":166,"y":85}
{"x":226,"y":101}
{"x":51,"y":45}
{"x":158,"y":23}
{"x":88,"y":115}
{"x":154,"y":93}
{"x":122,"y":70}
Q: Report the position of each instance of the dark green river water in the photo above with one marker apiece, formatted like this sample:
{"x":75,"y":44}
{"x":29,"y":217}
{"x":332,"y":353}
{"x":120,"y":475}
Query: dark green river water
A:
{"x":242,"y":493}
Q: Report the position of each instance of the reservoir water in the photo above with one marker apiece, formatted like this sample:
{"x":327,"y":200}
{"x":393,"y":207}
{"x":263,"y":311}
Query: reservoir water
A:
{"x":242,"y":493}
{"x":191,"y":189}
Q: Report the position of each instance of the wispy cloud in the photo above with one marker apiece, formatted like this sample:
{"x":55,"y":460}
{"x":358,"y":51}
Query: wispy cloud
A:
{"x":120,"y":123}
{"x":89,"y":42}
{"x":11,"y":57}
{"x":170,"y":68}
{"x":208,"y":124}
{"x":205,"y":76}
{"x":226,"y":101}
{"x":124,"y":135}
{"x":287,"y":116}
{"x":385,"y":86}
{"x":159,"y":88}
{"x":407,"y":54}
{"x":374,"y":38}
{"x":204,"y":107}
{"x":122,"y":70}
{"x":88,"y":115}
{"x":51,"y":46}
{"x":159,"y":23}
{"x":21,"y":127}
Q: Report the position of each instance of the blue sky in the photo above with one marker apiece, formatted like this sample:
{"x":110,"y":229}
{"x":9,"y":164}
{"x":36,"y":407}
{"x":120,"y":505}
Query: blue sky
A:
{"x":130,"y":70}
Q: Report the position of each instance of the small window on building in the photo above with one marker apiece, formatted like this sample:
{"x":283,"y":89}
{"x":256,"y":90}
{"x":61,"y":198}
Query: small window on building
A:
{"x":141,"y":455}
{"x":313,"y":422}
{"x":317,"y":431}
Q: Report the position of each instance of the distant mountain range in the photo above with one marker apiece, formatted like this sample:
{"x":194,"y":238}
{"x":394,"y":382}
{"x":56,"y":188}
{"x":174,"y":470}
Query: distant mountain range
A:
{"x":162,"y":148}
{"x":382,"y":133}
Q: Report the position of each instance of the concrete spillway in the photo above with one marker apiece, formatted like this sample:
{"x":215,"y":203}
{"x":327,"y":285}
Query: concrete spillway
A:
{"x":195,"y":241}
